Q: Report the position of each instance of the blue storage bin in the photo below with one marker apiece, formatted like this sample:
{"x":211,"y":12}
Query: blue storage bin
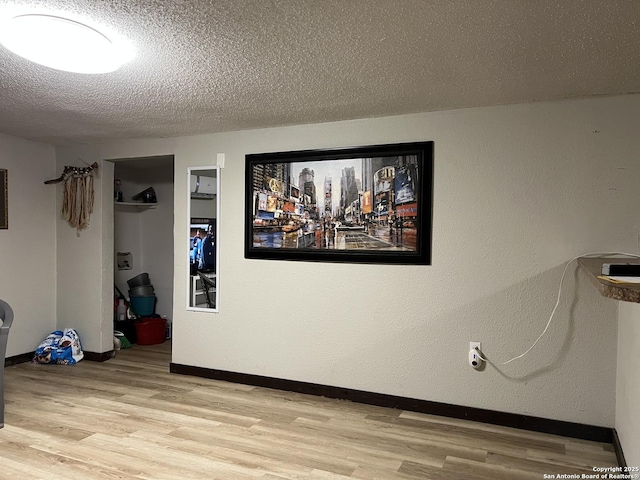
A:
{"x":143,"y":305}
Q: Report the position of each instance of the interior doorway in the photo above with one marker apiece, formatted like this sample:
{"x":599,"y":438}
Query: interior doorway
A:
{"x":143,"y":264}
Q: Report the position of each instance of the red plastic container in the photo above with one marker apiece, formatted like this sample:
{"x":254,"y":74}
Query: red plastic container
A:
{"x":151,"y":331}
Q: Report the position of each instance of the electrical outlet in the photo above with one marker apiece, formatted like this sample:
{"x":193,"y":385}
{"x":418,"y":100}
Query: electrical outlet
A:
{"x":475,"y":359}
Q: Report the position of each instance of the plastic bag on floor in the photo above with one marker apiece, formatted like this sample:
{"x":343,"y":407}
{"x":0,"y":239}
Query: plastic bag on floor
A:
{"x":61,"y":347}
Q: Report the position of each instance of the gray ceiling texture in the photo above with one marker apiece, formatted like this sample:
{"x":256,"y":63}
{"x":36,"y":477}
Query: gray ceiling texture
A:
{"x":222,"y":65}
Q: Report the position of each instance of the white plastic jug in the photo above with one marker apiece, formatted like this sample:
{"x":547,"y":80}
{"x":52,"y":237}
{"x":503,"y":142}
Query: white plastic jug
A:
{"x":121,"y":310}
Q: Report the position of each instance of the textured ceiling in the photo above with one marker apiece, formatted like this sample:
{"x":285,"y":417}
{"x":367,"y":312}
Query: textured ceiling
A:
{"x":220,"y":65}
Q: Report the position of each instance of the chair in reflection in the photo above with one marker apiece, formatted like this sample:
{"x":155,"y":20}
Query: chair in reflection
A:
{"x":209,"y":288}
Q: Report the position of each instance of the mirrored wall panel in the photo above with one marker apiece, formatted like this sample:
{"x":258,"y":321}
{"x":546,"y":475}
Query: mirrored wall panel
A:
{"x":204,"y":219}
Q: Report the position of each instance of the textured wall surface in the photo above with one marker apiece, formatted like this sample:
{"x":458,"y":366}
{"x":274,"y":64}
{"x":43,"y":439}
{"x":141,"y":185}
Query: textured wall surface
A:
{"x":27,"y":247}
{"x":518,"y":192}
{"x":628,"y":382}
{"x":84,"y":260}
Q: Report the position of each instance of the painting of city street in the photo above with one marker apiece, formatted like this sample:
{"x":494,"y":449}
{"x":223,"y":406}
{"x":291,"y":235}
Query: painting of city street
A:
{"x":361,"y":205}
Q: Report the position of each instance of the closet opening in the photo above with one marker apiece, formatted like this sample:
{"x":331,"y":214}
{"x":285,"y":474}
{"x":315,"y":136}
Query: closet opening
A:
{"x":143,"y":216}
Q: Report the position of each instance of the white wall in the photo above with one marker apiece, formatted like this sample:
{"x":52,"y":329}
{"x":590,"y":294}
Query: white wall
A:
{"x":628,"y":382}
{"x":156,"y":234}
{"x":85,"y":284}
{"x":85,"y":259}
{"x":127,"y":226}
{"x":203,"y":208}
{"x":27,"y":247}
{"x":147,"y":233}
{"x":519,"y":191}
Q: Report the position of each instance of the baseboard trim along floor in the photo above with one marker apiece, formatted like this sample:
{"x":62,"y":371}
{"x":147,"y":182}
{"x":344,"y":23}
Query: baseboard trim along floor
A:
{"x":28,"y":357}
{"x":98,"y":357}
{"x":617,"y":448}
{"x":523,"y":422}
{"x":17,"y":359}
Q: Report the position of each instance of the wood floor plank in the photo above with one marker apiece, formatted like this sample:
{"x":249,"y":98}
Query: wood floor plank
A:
{"x":362,"y":443}
{"x":485,"y":471}
{"x":39,"y":461}
{"x":229,"y":455}
{"x":129,"y":418}
{"x":169,"y":459}
{"x":530,"y":465}
{"x":572,"y":459}
{"x":273,"y":448}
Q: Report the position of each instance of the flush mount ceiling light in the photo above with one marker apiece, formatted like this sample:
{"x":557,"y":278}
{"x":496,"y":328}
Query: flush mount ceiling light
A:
{"x":62,"y":43}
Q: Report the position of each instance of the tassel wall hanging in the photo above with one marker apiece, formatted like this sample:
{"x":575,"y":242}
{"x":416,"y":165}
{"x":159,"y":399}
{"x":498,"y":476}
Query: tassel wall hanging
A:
{"x":78,"y":196}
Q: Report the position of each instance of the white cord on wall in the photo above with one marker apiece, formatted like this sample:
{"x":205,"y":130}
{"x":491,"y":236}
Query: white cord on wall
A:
{"x":553,"y":312}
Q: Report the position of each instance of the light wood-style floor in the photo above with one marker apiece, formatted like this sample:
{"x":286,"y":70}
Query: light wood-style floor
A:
{"x":129,"y":418}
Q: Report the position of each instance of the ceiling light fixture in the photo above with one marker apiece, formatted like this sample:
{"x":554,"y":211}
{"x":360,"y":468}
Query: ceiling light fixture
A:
{"x":62,"y":43}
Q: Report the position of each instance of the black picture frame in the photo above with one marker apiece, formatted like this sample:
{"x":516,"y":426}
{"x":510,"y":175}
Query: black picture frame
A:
{"x":4,"y":207}
{"x":370,"y":204}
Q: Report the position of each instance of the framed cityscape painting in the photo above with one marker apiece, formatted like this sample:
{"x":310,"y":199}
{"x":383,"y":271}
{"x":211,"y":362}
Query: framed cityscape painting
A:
{"x":370,"y":204}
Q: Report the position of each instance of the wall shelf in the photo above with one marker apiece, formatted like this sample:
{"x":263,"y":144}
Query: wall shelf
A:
{"x":139,"y":205}
{"x":593,"y":266}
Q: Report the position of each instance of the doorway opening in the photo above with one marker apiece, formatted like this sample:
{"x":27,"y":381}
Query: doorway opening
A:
{"x":143,"y":217}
